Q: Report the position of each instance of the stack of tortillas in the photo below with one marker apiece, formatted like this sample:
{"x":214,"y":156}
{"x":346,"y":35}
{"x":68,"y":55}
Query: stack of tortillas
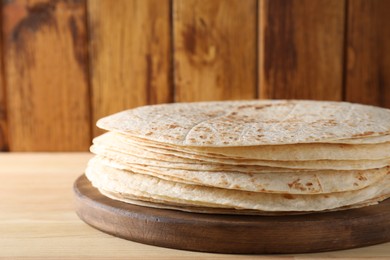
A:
{"x":245,"y":157}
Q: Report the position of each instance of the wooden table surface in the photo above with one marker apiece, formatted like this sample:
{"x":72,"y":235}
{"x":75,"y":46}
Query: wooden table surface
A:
{"x":37,"y":220}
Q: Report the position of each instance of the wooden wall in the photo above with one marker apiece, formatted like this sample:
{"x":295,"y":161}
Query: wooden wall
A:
{"x":64,"y":64}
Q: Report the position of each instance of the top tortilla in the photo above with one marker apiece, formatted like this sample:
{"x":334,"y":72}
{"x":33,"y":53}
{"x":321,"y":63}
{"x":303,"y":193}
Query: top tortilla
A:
{"x":251,"y":123}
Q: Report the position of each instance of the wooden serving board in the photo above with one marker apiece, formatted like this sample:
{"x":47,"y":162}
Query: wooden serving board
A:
{"x":233,"y":233}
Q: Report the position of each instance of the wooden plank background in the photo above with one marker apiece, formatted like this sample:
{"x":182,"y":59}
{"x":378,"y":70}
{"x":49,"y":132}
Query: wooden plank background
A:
{"x":301,"y":49}
{"x":66,"y":63}
{"x":130,"y":55}
{"x":46,"y":75}
{"x":214,"y":49}
{"x":367,"y":69}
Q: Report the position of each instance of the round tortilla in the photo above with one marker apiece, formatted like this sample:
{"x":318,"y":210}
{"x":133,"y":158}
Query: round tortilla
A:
{"x":262,"y":156}
{"x":251,"y":123}
{"x":291,"y":152}
{"x":154,"y":203}
{"x":308,"y":182}
{"x":146,"y":186}
{"x":140,"y":153}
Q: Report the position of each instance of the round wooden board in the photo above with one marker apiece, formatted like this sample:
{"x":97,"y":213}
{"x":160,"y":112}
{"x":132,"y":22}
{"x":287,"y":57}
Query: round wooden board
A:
{"x":233,"y":233}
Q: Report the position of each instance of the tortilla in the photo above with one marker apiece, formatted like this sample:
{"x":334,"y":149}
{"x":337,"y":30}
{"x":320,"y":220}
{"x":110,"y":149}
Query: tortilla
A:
{"x":145,"y":186}
{"x":180,"y":163}
{"x":296,"y":152}
{"x":148,"y":202}
{"x":309,"y":182}
{"x":299,"y":165}
{"x":266,"y":157}
{"x":251,"y":123}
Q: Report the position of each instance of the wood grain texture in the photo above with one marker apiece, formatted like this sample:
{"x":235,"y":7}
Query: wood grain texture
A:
{"x":130,"y":54}
{"x":214,"y":49}
{"x":233,"y":234}
{"x":3,"y":105}
{"x":368,"y":52}
{"x":301,"y":49}
{"x":53,"y":88}
{"x":46,"y":75}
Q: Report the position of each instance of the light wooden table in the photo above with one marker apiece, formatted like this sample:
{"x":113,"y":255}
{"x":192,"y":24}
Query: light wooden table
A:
{"x":37,"y":220}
